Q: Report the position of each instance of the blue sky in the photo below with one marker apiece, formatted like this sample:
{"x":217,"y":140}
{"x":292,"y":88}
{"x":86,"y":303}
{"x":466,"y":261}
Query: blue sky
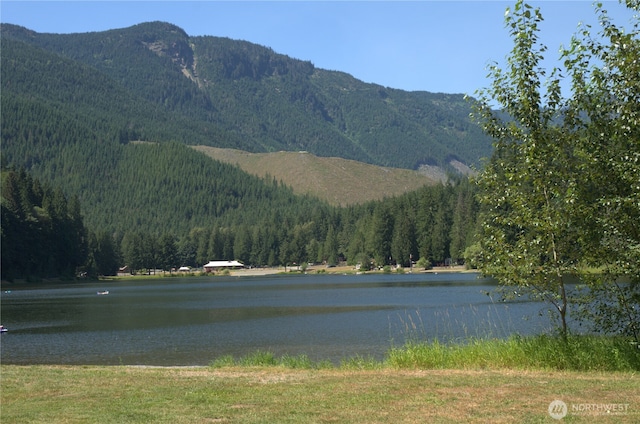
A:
{"x":438,"y":46}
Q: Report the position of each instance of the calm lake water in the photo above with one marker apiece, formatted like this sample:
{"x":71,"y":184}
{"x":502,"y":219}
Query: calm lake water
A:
{"x":192,"y":321}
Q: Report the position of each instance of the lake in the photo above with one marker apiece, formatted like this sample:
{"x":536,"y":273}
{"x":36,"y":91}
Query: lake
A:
{"x":193,"y":320}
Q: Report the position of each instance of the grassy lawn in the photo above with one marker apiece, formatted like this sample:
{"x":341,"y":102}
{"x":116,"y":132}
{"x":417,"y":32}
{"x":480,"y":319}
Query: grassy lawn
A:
{"x":277,"y":394}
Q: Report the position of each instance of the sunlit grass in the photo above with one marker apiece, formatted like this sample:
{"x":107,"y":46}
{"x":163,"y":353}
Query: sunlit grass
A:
{"x":262,"y":358}
{"x":578,"y":353}
{"x":359,"y":362}
{"x":481,"y":380}
{"x":275,"y":394}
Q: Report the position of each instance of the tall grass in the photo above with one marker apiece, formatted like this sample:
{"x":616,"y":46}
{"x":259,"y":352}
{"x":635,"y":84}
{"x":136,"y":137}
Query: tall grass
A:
{"x":577,"y":353}
{"x":486,"y":347}
{"x":455,"y":346}
{"x":453,"y":325}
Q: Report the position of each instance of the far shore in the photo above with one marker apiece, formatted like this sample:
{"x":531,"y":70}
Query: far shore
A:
{"x":344,"y":270}
{"x":257,"y":272}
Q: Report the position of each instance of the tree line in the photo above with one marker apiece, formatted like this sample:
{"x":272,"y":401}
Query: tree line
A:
{"x":434,"y":224}
{"x":43,"y":233}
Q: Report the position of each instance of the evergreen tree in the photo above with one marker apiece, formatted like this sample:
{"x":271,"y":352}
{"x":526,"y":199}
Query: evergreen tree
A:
{"x":201,"y":238}
{"x":330,"y":250}
{"x":133,"y":251}
{"x":105,"y":255}
{"x":242,"y":245}
{"x":168,"y":252}
{"x":187,"y":252}
{"x":403,"y":244}
{"x":463,"y":221}
{"x":42,"y":235}
{"x":440,"y":234}
{"x":381,"y":231}
{"x":216,"y":245}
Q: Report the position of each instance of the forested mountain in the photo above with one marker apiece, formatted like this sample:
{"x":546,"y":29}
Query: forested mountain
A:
{"x":154,"y":82}
{"x":104,"y":119}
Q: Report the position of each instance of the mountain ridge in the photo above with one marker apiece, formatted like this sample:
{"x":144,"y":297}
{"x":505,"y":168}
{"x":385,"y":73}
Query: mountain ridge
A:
{"x":262,"y":101}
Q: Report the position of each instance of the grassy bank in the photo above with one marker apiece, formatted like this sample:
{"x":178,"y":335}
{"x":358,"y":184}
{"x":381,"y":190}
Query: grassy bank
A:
{"x":482,"y":381}
{"x":542,"y":353}
{"x":578,"y":353}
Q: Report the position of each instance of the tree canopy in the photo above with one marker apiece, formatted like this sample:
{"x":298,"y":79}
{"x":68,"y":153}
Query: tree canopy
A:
{"x":560,"y":192}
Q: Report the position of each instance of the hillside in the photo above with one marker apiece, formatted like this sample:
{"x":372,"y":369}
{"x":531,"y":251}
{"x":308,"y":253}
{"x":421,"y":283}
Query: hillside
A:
{"x":108,"y":119}
{"x":338,"y":181}
{"x":154,"y":82}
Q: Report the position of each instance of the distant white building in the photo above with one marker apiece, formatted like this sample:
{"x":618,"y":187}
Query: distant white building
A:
{"x":218,"y":265}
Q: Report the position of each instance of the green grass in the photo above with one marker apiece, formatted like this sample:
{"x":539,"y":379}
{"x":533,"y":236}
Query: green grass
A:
{"x":578,"y":353}
{"x":484,"y":380}
{"x":275,"y":394}
{"x":262,"y":358}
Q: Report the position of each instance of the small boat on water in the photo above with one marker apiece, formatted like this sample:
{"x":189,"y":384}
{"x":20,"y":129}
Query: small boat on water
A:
{"x":102,"y":293}
{"x":2,"y":329}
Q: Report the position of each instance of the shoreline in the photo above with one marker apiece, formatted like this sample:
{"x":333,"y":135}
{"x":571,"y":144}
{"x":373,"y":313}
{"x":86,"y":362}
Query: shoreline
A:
{"x":461,"y":269}
{"x":245,"y":272}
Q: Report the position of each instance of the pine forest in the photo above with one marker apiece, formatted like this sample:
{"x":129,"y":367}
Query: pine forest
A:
{"x":98,"y":170}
